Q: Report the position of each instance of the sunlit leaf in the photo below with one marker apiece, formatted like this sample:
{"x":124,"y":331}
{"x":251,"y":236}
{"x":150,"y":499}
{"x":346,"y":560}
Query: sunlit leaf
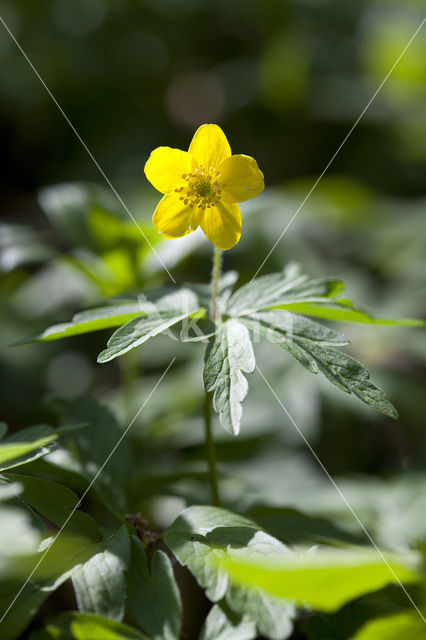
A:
{"x":277,"y":289}
{"x":201,"y":537}
{"x":228,"y":356}
{"x":324,"y":580}
{"x":86,"y":626}
{"x":223,"y":624}
{"x":406,"y":626}
{"x":100,"y":583}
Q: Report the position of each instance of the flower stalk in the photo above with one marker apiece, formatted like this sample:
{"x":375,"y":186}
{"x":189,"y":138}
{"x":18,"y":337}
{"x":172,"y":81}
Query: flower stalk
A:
{"x":217,"y":259}
{"x":210,"y":447}
{"x":211,"y":454}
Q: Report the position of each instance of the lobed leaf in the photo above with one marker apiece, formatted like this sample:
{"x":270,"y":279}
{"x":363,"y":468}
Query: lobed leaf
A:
{"x":138,"y":331}
{"x":228,"y":355}
{"x":296,"y":292}
{"x":91,"y":320}
{"x":276,"y":289}
{"x":349,"y":375}
{"x":312,"y":345}
{"x":342,"y":310}
{"x":203,"y":536}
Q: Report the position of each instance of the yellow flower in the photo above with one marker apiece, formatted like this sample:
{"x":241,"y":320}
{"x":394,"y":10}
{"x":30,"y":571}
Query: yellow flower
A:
{"x":202,"y":186}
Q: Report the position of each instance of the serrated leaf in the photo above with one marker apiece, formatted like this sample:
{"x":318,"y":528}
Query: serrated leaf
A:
{"x":406,"y":626}
{"x":324,"y":580}
{"x":342,"y":310}
{"x":223,"y":624}
{"x":91,"y":320}
{"x":153,"y":595}
{"x":202,"y":536}
{"x":100,"y":583}
{"x":116,"y":315}
{"x":139,"y":330}
{"x":276,"y":289}
{"x":309,"y":343}
{"x":86,"y":626}
{"x":56,"y":502}
{"x":228,"y":355}
{"x":296,"y":325}
{"x":349,"y":375}
{"x":281,"y":327}
{"x":298,"y":293}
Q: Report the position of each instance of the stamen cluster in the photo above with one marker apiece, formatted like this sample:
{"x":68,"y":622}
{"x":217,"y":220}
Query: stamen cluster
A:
{"x":203,"y":189}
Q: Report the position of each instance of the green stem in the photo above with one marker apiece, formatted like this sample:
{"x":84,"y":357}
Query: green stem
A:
{"x":210,"y":448}
{"x":215,"y":280}
{"x":211,"y":455}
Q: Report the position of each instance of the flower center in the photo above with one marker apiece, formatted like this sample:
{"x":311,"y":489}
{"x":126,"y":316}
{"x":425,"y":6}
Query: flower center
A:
{"x":202,"y":189}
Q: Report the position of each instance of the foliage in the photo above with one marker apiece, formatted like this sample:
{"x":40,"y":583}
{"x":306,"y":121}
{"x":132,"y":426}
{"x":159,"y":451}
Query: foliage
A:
{"x":141,"y":553}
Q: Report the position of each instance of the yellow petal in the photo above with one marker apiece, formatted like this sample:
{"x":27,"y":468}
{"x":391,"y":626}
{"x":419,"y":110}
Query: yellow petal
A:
{"x":173,"y":219}
{"x":209,"y":146}
{"x":222,"y":224}
{"x":241,"y":177}
{"x":165,"y":168}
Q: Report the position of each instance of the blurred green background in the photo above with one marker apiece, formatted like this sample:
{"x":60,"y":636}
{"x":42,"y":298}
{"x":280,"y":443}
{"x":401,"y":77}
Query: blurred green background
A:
{"x":286,"y":80}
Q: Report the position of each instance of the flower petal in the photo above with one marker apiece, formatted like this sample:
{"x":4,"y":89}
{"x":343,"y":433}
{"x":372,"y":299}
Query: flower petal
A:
{"x":222,"y":224}
{"x":241,"y":177}
{"x":165,"y":168}
{"x":173,"y":219}
{"x":209,"y":146}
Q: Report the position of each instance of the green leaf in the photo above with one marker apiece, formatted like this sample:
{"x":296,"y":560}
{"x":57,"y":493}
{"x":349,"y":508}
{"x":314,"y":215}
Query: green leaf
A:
{"x":153,"y":596}
{"x":228,"y":355}
{"x":296,"y":292}
{"x":99,"y":583}
{"x":56,"y":502}
{"x":26,"y":606}
{"x":224,"y":624}
{"x":324,"y":580}
{"x":91,"y":447}
{"x":342,"y":310}
{"x":18,"y":535}
{"x":91,"y":320}
{"x":294,"y":527}
{"x":346,"y":621}
{"x":291,"y":325}
{"x":3,"y":429}
{"x":280,"y":327}
{"x":403,"y":626}
{"x":86,"y":626}
{"x":349,"y":375}
{"x":54,"y":569}
{"x":202,"y":536}
{"x":309,"y":343}
{"x":276,"y":289}
{"x":141,"y":329}
{"x":29,"y":444}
